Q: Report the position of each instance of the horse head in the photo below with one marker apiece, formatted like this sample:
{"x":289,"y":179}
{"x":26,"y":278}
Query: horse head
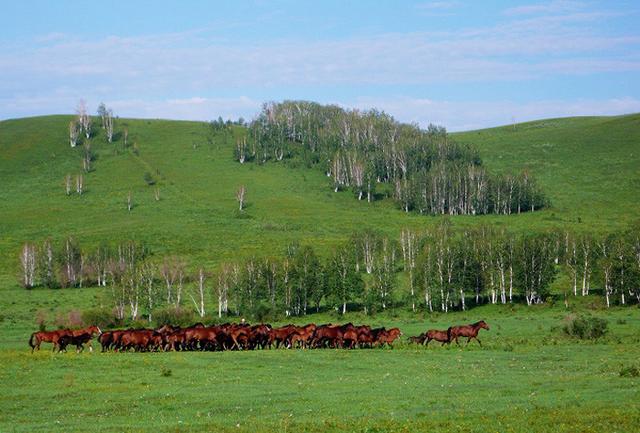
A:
{"x":483,"y":324}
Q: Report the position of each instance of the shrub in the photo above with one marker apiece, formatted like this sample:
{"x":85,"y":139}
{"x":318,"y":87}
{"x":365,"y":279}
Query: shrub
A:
{"x":585,"y":327}
{"x":263,"y":312}
{"x":174,"y":316}
{"x":148,"y":178}
{"x":101,"y":317}
{"x":630,"y":371}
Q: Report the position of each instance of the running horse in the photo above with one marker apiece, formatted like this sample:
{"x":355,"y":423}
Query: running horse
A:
{"x":54,"y":336}
{"x":469,"y":331}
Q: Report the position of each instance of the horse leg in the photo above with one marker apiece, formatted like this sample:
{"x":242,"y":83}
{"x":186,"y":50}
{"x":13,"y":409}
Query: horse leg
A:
{"x":478,"y":340}
{"x":468,"y":340}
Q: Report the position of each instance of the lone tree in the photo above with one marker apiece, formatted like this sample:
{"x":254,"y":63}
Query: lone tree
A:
{"x":79,"y":184}
{"x":83,"y":118}
{"x":67,"y":184}
{"x":240,"y":196}
{"x":74,"y":132}
{"x":108,"y":124}
{"x":102,"y":112}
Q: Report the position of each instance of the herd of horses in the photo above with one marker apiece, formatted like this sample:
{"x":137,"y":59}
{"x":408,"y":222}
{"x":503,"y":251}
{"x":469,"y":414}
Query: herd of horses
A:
{"x":233,"y":336}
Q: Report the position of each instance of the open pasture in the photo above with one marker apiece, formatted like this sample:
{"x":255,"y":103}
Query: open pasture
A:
{"x":527,"y":376}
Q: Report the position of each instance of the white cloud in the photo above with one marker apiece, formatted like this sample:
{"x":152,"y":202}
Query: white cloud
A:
{"x":189,"y":63}
{"x":557,"y":6}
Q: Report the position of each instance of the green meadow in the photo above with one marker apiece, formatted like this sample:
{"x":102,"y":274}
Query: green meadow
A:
{"x":527,"y":376}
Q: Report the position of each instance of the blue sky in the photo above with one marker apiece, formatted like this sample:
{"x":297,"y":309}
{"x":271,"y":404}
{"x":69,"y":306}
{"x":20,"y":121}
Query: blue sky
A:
{"x":461,"y":64}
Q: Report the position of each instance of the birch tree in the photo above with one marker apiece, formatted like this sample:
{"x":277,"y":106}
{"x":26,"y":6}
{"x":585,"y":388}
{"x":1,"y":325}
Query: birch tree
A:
{"x":408,"y":242}
{"x":200,"y":291}
{"x":102,"y":112}
{"x":67,"y":184}
{"x":74,"y":133}
{"x":46,"y":265}
{"x":117,"y":270}
{"x":240,"y":194}
{"x":148,"y":272}
{"x":79,"y":184}
{"x":28,"y":265}
{"x":84,"y":119}
{"x":108,"y":125}
{"x":222,"y":290}
{"x":384,"y":275}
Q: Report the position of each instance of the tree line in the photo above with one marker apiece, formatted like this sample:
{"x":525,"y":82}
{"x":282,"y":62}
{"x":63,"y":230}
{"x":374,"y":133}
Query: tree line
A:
{"x":426,"y":171}
{"x":437,"y":270}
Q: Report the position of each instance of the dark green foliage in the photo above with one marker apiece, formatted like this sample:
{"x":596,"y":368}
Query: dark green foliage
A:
{"x":585,"y":327}
{"x":101,"y":317}
{"x":343,"y":284}
{"x":149,"y":179}
{"x":630,"y":371}
{"x":174,"y":316}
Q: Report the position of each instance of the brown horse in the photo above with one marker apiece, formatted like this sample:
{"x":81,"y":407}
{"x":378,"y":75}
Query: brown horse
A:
{"x":469,"y":331}
{"x":388,"y":336}
{"x":439,"y":336}
{"x":327,"y":336}
{"x":54,"y":336}
{"x":302,"y":335}
{"x":281,"y":335}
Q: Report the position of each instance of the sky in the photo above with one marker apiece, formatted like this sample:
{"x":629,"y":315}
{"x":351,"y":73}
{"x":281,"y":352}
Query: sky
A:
{"x":460,"y":64}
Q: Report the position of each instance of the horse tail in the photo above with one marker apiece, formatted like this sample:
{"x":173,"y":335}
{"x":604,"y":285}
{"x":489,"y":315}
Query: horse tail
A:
{"x":31,"y":340}
{"x":449,"y":332}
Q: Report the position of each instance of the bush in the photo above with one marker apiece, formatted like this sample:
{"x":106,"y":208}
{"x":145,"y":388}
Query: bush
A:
{"x":585,"y":327}
{"x":263,"y":312}
{"x":101,"y":317}
{"x":148,"y":178}
{"x":174,"y":316}
{"x":630,"y":371}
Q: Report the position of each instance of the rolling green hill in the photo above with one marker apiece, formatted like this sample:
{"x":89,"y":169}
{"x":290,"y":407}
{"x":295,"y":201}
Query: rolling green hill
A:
{"x":589,"y":167}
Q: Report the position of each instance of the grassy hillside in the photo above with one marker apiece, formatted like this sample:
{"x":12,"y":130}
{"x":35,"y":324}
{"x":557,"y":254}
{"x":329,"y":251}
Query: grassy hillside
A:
{"x":587,"y":166}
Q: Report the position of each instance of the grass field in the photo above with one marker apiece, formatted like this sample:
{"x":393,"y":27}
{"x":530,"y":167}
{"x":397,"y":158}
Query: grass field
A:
{"x":527,"y":377}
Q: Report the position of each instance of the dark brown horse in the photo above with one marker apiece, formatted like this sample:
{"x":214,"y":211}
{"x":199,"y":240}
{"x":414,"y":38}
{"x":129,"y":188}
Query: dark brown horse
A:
{"x":77,"y":340}
{"x":418,"y":339}
{"x":469,"y":331}
{"x":439,"y":336}
{"x":327,"y":336}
